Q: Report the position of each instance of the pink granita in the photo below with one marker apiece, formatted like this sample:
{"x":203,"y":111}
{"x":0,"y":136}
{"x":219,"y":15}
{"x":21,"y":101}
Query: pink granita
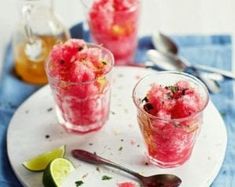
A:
{"x":126,"y":184}
{"x":78,"y":74}
{"x":170,"y":115}
{"x":172,"y":102}
{"x":75,"y":61}
{"x":114,"y":24}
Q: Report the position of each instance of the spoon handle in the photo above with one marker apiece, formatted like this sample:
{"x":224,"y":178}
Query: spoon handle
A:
{"x":225,"y":73}
{"x":95,"y":159}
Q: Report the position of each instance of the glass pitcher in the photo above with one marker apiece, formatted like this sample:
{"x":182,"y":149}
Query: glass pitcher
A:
{"x":38,"y":30}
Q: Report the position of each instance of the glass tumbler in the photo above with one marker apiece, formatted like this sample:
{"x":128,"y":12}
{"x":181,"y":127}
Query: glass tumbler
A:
{"x":169,"y":140}
{"x":114,"y":24}
{"x":82,"y":107}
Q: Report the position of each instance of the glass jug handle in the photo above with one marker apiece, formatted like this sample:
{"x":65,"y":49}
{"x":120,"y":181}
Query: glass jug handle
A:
{"x":34,"y":46}
{"x":26,"y":12}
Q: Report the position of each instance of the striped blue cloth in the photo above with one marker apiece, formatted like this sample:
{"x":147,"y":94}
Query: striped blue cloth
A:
{"x":210,"y":50}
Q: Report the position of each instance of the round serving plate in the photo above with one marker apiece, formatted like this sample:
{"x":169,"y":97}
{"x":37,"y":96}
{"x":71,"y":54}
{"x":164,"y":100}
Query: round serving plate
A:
{"x":34,"y":129}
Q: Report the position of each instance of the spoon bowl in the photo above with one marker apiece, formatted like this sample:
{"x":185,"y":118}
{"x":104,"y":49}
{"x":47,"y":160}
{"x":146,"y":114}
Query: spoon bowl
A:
{"x":164,"y":43}
{"x":160,"y":180}
{"x":166,"y":61}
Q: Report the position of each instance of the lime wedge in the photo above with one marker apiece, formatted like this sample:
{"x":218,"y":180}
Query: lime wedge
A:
{"x":40,"y":162}
{"x":56,"y":172}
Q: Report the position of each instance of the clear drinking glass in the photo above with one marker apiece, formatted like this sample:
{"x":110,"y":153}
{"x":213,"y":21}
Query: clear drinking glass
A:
{"x":114,"y":24}
{"x":82,"y":107}
{"x":169,"y":142}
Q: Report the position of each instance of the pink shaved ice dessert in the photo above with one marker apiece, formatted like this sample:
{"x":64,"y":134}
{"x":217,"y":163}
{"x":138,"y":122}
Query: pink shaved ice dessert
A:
{"x":114,"y":24}
{"x":170,"y":117}
{"x":79,"y":75}
{"x":172,"y":102}
{"x":126,"y":184}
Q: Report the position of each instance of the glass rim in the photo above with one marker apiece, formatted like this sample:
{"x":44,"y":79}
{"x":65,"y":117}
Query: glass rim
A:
{"x":132,"y":8}
{"x":172,"y":119}
{"x":56,"y":79}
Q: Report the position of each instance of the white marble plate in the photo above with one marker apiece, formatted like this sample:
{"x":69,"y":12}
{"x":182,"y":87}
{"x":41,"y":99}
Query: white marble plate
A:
{"x":120,"y":140}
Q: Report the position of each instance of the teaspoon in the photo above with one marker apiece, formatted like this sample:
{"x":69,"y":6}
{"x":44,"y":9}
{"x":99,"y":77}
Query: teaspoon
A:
{"x":169,"y":49}
{"x":160,"y":180}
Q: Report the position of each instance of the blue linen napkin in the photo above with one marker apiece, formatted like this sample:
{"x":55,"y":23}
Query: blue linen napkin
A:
{"x":211,"y":50}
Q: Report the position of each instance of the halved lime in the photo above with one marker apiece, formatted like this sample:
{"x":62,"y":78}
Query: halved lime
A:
{"x":56,"y":172}
{"x":40,"y":162}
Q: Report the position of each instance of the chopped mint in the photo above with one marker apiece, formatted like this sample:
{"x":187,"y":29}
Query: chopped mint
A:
{"x":49,"y":109}
{"x":120,"y":148}
{"x":105,"y":177}
{"x":98,"y":169}
{"x":173,"y":89}
{"x":79,"y":183}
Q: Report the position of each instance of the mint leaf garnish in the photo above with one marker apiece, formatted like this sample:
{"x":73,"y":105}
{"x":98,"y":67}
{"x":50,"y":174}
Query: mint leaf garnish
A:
{"x":120,"y":148}
{"x":173,"y":89}
{"x":79,"y":183}
{"x":105,"y":177}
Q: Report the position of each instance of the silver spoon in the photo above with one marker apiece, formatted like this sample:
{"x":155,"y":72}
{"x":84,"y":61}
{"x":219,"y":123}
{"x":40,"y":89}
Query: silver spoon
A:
{"x":160,"y":180}
{"x":167,"y":59}
{"x":170,"y":50}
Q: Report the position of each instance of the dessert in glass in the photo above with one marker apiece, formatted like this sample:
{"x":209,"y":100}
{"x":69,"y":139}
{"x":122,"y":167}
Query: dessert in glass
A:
{"x":114,"y":24}
{"x":170,"y":114}
{"x":79,"y":75}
